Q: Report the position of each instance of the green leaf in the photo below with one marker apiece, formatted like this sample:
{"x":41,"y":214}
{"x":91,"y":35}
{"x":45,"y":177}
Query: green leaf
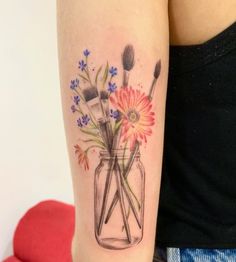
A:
{"x":88,"y":132}
{"x":84,"y":77}
{"x":98,"y":72}
{"x":132,"y":192}
{"x":94,"y":147}
{"x":117,"y":126}
{"x":95,"y":141}
{"x":105,"y":75}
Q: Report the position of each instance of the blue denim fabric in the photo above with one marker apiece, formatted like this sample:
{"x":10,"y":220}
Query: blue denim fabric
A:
{"x":207,"y":255}
{"x":194,"y":255}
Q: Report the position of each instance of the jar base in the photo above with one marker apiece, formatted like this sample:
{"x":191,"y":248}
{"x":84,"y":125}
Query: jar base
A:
{"x":118,"y":243}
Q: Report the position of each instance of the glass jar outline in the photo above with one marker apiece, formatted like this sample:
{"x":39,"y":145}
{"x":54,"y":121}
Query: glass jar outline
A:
{"x":136,"y":176}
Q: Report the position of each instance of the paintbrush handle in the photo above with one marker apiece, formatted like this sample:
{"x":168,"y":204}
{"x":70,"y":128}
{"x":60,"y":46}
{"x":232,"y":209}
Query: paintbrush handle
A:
{"x":125,"y":78}
{"x":121,"y":200}
{"x":131,"y":159}
{"x":115,"y":144}
{"x":129,"y":198}
{"x":109,"y":134}
{"x":125,"y":175}
{"x":105,"y":196}
{"x":152,"y":89}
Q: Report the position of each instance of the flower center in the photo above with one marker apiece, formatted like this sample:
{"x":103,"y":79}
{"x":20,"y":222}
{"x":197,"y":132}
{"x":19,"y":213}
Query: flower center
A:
{"x":133,"y":116}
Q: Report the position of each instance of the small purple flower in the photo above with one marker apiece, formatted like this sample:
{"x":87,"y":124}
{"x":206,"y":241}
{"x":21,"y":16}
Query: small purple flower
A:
{"x":79,"y":122}
{"x":86,"y":52}
{"x":85,"y":119}
{"x":74,"y":83}
{"x":82,"y":65}
{"x":111,"y":87}
{"x":114,"y":113}
{"x":73,"y":109}
{"x":76,"y":100}
{"x":113,"y":71}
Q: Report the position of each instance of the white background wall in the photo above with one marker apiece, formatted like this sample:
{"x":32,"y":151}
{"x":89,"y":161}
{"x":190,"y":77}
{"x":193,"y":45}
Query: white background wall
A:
{"x":33,"y":158}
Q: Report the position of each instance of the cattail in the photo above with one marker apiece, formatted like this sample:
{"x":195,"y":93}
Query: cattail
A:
{"x":128,"y":63}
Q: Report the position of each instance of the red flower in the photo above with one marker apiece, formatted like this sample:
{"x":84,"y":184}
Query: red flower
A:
{"x":82,"y":157}
{"x":137,"y":117}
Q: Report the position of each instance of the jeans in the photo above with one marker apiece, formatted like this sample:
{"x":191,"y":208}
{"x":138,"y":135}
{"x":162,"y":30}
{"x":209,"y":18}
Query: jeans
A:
{"x":194,"y":255}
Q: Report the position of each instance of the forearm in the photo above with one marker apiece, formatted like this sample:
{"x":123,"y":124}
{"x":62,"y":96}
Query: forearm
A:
{"x":115,"y":129}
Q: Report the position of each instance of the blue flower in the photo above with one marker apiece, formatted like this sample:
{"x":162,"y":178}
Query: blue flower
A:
{"x":82,"y":65}
{"x":76,"y":100}
{"x":85,"y":119}
{"x":74,"y":83}
{"x":79,"y":122}
{"x":114,"y":113}
{"x":86,"y":52}
{"x":73,"y":109}
{"x":113,"y":71}
{"x":111,"y":87}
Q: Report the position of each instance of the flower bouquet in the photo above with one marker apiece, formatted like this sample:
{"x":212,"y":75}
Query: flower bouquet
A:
{"x":116,"y":121}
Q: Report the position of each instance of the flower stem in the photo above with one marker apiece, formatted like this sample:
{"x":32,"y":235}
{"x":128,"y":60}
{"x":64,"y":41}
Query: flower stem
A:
{"x":131,"y":191}
{"x":90,"y":147}
{"x":87,"y":71}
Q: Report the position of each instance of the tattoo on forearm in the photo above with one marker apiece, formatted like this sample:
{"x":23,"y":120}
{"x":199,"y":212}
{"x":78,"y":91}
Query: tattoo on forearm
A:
{"x":115,"y":122}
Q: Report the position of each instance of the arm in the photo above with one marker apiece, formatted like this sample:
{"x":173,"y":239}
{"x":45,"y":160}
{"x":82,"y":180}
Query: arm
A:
{"x":113,"y":59}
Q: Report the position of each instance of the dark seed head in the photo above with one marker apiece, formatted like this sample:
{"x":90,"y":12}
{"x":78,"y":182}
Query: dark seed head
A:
{"x":128,"y":58}
{"x":90,"y":93}
{"x":157,"y":70}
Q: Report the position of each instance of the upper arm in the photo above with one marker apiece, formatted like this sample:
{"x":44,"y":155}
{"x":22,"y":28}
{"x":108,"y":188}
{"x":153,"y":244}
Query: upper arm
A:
{"x":105,"y":28}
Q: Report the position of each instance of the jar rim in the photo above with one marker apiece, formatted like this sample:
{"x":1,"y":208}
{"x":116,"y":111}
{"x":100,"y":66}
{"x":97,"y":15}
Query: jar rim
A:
{"x":119,"y":153}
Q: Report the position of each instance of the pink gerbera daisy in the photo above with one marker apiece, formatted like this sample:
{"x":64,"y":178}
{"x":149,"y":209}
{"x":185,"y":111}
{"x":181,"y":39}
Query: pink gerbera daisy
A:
{"x":136,"y":112}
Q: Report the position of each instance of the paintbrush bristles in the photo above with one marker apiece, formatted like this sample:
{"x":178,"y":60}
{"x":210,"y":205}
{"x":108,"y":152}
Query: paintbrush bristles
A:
{"x":157,"y":70}
{"x":104,"y":95}
{"x":90,"y":93}
{"x":156,"y":74}
{"x":128,"y":58}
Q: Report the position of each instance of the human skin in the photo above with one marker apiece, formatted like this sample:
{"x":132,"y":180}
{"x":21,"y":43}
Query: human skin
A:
{"x":105,"y":28}
{"x":194,"y":22}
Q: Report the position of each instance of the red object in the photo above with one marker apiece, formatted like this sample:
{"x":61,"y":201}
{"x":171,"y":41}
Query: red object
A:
{"x":12,"y":259}
{"x":44,"y":234}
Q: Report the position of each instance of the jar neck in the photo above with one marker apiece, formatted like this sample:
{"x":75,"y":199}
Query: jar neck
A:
{"x":121,"y":154}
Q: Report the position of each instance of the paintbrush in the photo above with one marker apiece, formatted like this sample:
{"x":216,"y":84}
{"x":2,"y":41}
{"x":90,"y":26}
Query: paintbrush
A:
{"x":128,"y":63}
{"x":135,"y":150}
{"x":127,"y":170}
{"x":104,"y":98}
{"x":92,"y":99}
{"x":156,"y":75}
{"x":111,"y":167}
{"x":121,"y":198}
